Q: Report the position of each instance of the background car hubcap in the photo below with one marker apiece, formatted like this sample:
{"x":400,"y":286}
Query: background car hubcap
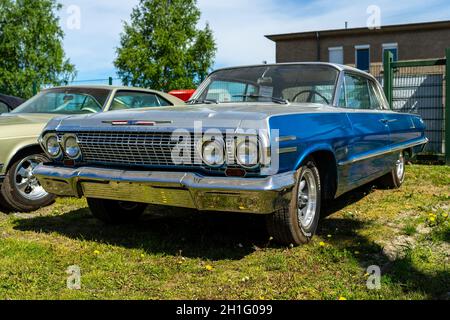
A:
{"x":400,"y":167}
{"x":307,"y":199}
{"x":25,"y":182}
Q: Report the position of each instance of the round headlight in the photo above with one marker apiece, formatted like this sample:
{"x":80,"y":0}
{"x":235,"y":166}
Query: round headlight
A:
{"x":52,"y":146}
{"x":247,"y":154}
{"x":213,"y":153}
{"x":71,"y":147}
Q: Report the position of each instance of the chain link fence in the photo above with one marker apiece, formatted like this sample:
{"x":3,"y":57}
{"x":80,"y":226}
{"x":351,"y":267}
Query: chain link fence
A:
{"x":420,"y":90}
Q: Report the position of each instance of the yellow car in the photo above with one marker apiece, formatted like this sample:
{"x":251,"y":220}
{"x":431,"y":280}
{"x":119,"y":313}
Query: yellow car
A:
{"x":20,"y":152}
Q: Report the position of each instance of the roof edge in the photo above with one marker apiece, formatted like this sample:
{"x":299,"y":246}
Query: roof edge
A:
{"x":337,"y":32}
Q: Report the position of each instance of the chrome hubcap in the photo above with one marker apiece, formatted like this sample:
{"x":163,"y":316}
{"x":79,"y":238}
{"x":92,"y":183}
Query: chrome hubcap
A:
{"x":25,"y":182}
{"x":400,"y":167}
{"x":307,"y":199}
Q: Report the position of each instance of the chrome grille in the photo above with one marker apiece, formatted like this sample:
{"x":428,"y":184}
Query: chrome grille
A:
{"x":136,"y":148}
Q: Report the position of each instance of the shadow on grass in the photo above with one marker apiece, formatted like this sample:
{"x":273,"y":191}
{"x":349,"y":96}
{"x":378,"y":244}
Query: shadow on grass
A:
{"x":213,"y":236}
{"x":222,"y":236}
{"x":436,"y":285}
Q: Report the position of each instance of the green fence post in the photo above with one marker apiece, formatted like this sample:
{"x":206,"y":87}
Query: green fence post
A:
{"x":388,"y":76}
{"x":35,"y":89}
{"x":110,"y":81}
{"x":447,"y":106}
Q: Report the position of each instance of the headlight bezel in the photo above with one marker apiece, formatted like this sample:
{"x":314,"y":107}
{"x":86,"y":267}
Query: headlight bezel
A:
{"x":65,"y":139}
{"x":245,"y":143}
{"x":218,"y":145}
{"x":45,"y":145}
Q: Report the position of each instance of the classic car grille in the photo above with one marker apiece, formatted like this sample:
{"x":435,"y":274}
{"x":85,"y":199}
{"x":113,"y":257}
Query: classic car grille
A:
{"x":138,"y":149}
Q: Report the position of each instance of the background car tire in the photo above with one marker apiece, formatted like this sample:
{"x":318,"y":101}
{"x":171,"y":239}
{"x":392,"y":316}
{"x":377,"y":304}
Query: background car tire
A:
{"x":285,"y":225}
{"x":115,"y":212}
{"x":395,"y":178}
{"x":14,"y":200}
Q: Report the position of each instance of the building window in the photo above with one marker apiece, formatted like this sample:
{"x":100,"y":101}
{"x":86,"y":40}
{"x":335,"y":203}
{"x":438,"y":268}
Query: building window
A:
{"x":392,"y":47}
{"x":336,"y":55}
{"x":362,"y":57}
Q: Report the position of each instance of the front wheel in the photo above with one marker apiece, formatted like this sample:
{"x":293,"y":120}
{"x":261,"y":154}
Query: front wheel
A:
{"x":21,"y":191}
{"x":116,"y":212}
{"x":297,"y":223}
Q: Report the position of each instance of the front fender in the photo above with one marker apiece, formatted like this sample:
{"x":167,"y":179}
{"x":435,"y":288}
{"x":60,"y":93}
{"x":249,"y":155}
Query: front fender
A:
{"x":11,"y":147}
{"x":305,"y":153}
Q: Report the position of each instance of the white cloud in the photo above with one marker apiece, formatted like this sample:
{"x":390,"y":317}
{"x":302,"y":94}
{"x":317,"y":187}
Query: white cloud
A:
{"x":239,"y":26}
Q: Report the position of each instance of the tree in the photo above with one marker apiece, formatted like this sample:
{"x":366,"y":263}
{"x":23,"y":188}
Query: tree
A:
{"x":31,"y":50}
{"x":162,"y":48}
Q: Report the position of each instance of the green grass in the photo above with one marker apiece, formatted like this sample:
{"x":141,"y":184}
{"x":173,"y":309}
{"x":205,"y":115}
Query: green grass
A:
{"x":180,"y":254}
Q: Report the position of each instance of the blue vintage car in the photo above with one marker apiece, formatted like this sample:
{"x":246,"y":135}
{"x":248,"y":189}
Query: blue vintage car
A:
{"x":280,"y":140}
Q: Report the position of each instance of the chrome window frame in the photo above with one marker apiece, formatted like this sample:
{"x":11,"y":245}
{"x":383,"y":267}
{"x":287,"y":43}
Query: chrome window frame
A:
{"x":377,"y":87}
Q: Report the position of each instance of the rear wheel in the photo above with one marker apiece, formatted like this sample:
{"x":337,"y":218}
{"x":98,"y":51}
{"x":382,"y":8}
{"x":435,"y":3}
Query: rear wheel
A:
{"x":116,"y":212}
{"x":21,"y":191}
{"x":395,"y":178}
{"x":297,"y":223}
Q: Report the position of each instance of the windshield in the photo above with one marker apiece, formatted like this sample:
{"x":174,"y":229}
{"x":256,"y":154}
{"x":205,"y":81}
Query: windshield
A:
{"x":276,"y":83}
{"x":66,"y":101}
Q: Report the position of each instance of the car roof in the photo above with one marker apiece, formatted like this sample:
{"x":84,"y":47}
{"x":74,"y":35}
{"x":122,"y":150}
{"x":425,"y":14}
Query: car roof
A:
{"x":104,"y":87}
{"x":172,"y":99}
{"x":11,"y":100}
{"x":336,"y":66}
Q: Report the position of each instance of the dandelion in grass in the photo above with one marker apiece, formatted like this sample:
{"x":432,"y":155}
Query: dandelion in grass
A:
{"x":209,"y":268}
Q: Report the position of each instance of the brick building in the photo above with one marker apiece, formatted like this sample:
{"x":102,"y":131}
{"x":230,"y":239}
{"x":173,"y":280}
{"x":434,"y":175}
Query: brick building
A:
{"x":363,"y":47}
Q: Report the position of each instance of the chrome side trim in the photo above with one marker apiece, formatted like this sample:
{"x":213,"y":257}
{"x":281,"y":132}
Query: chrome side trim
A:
{"x":383,"y":152}
{"x":287,"y":150}
{"x":286,"y":139}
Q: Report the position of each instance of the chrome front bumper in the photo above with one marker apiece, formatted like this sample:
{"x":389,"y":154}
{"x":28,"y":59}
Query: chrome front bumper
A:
{"x":187,"y":190}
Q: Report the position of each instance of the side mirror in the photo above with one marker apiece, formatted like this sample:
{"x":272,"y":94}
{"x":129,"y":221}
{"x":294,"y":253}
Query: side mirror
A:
{"x":265,"y":81}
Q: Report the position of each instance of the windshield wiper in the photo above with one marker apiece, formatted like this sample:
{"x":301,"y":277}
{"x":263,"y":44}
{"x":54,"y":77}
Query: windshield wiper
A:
{"x":206,"y":101}
{"x":255,"y":96}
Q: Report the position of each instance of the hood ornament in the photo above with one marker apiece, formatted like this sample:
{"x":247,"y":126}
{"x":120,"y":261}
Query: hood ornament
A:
{"x":136,"y":123}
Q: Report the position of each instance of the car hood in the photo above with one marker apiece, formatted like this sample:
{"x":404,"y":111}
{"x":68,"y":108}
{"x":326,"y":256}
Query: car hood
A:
{"x":242,"y":115}
{"x":21,"y":125}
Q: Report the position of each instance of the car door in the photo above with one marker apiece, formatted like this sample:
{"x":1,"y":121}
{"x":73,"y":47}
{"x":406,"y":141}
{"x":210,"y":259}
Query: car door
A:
{"x":370,"y":138}
{"x":403,"y":129}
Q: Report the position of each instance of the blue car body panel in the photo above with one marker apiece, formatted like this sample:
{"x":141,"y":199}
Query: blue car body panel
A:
{"x":362,"y":143}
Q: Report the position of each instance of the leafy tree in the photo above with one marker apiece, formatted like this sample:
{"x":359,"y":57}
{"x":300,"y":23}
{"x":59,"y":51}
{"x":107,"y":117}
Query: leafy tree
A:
{"x":162,"y":48}
{"x":31,"y":47}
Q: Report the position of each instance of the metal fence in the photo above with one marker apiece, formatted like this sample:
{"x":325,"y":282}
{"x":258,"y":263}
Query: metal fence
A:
{"x":420,"y":87}
{"x":106,"y":81}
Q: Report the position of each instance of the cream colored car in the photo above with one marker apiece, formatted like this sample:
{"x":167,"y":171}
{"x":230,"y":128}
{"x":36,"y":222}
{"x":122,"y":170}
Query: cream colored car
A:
{"x":20,"y":152}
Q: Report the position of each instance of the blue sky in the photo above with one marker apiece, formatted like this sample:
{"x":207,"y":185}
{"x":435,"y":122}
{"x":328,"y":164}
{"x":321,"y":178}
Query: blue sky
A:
{"x":239,"y":26}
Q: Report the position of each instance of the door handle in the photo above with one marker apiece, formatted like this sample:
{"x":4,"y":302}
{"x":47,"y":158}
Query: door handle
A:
{"x":387,"y":121}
